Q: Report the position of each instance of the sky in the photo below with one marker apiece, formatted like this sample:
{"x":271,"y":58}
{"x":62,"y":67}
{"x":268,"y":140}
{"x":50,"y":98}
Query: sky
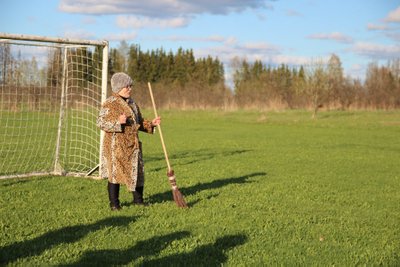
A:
{"x":292,"y":32}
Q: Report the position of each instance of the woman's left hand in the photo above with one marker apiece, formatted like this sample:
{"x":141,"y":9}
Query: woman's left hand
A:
{"x":156,"y":121}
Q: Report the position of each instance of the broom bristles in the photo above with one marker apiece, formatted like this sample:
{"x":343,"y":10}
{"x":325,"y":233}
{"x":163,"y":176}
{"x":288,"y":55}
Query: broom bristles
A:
{"x":178,"y":197}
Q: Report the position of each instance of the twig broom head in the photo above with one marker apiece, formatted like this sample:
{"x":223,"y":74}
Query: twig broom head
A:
{"x":178,"y":197}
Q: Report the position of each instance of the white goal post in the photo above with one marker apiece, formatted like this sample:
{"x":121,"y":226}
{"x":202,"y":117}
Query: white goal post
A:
{"x":51,"y":90}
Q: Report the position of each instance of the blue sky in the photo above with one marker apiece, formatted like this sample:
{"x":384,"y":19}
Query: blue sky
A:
{"x":290,"y":32}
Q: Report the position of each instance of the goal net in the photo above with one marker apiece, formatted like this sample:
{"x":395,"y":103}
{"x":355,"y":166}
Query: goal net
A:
{"x":50,"y":93}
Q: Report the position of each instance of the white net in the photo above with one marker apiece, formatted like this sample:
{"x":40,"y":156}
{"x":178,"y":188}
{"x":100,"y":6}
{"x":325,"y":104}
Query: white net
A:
{"x":49,"y":101}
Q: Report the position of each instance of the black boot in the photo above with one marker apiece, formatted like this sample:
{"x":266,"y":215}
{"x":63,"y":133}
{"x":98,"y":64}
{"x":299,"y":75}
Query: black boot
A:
{"x":113,"y":196}
{"x":138,"y":196}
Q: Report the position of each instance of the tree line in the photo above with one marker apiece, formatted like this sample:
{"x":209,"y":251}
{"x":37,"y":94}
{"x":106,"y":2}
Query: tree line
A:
{"x":185,"y":82}
{"x":318,"y":84}
{"x":182,"y":81}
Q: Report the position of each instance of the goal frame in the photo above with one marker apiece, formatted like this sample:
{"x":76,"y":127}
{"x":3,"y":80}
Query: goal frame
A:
{"x":104,"y":44}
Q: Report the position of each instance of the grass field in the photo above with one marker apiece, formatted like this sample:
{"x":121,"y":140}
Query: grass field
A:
{"x":263,"y":189}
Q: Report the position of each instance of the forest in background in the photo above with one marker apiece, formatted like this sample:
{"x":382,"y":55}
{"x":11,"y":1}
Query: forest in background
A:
{"x":185,"y":82}
{"x":181,"y":81}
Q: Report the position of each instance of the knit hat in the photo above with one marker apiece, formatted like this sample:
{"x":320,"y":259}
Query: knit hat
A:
{"x":120,"y":80}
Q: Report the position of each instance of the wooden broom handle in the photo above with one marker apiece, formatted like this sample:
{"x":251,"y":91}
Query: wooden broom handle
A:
{"x":159,"y":128}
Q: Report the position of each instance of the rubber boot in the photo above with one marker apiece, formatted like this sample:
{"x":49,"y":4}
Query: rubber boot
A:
{"x":138,"y":196}
{"x":113,"y":196}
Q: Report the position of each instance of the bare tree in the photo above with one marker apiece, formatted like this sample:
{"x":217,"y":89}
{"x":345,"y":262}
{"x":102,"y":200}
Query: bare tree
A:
{"x":317,"y":86}
{"x":381,"y":86}
{"x":336,"y":80}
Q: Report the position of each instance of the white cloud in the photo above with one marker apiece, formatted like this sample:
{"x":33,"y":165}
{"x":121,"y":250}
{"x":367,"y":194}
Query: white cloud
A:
{"x":251,"y":50}
{"x":374,"y":27}
{"x":267,"y":53}
{"x":291,"y":60}
{"x":393,"y":16}
{"x":260,"y":47}
{"x":335,"y":36}
{"x":293,"y":13}
{"x":209,"y":39}
{"x":394,"y":35}
{"x":160,"y":8}
{"x":377,"y":51}
{"x":124,"y":36}
{"x":146,"y":22}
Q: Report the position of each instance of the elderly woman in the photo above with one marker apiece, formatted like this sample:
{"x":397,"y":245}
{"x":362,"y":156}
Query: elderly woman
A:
{"x":122,"y":161}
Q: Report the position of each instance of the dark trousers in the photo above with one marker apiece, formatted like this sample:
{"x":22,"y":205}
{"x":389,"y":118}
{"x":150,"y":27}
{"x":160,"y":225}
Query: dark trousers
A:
{"x":113,"y":195}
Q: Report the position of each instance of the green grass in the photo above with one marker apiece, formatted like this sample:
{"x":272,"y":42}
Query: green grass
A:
{"x":263,"y":189}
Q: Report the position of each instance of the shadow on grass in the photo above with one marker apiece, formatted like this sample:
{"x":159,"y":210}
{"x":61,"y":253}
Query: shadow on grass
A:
{"x":20,"y":181}
{"x":191,"y":157}
{"x":205,"y":255}
{"x":146,"y":248}
{"x":53,"y":238}
{"x":167,"y":196}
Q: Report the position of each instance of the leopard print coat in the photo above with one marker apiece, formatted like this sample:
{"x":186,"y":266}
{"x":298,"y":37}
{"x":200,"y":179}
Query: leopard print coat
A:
{"x":122,"y":161}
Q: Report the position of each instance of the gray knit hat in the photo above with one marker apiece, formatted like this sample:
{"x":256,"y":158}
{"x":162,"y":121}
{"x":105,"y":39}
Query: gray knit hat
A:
{"x":120,"y":80}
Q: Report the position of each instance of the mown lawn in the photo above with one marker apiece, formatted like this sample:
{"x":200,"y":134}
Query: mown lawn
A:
{"x":264,"y":188}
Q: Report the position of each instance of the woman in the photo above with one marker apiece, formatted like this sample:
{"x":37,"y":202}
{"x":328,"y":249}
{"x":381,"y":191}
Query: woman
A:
{"x":122,"y":161}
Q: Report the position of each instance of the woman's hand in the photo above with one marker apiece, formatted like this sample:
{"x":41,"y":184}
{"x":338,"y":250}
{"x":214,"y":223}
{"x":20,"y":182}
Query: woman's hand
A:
{"x":156,"y":121}
{"x":122,"y":118}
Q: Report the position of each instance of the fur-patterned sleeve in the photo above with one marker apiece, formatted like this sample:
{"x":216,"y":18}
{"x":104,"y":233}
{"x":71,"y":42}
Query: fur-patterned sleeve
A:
{"x":108,"y":118}
{"x":145,"y":125}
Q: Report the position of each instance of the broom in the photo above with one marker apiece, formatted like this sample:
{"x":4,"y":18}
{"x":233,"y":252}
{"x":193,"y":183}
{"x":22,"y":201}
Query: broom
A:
{"x":178,"y":197}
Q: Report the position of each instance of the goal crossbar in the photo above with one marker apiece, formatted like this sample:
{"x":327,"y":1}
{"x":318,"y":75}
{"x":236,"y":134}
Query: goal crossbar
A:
{"x":43,"y":39}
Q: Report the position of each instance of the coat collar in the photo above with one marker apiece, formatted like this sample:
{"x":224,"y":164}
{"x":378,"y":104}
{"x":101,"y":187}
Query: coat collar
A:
{"x":129,"y":104}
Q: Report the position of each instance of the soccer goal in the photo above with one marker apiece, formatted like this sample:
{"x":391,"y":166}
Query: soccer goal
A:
{"x":51,"y":91}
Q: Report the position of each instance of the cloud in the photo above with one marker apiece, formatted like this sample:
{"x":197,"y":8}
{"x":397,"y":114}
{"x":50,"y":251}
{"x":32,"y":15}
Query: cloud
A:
{"x":394,"y":36}
{"x":293,"y":13}
{"x":291,"y":60}
{"x":208,"y":39}
{"x":124,"y":36}
{"x":376,"y":51}
{"x":160,"y":8}
{"x":335,"y":36}
{"x":390,"y":32}
{"x":375,"y":27}
{"x":267,"y":53}
{"x":259,"y":47}
{"x":146,"y":22}
{"x":393,"y":16}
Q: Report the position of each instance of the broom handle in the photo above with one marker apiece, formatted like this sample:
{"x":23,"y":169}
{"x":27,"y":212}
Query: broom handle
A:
{"x":159,"y":128}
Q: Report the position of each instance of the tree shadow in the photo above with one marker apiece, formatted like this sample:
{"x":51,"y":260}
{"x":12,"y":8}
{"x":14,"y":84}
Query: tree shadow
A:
{"x":191,"y":157}
{"x":146,"y":248}
{"x":17,"y":181}
{"x":205,"y":255}
{"x":53,"y":238}
{"x":166,"y":196}
{"x":23,"y":180}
